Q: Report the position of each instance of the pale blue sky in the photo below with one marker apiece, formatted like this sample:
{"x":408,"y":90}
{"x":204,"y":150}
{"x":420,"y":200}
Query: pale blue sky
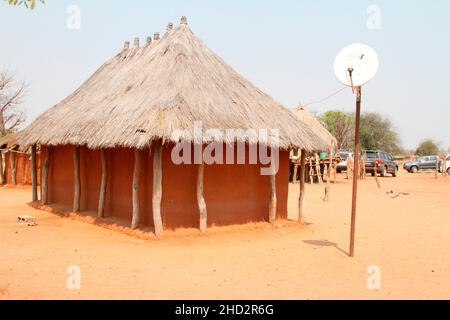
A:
{"x":286,"y":48}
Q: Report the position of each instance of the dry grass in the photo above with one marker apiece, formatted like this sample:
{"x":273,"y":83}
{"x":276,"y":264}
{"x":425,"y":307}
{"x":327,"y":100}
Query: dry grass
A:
{"x":308,"y":118}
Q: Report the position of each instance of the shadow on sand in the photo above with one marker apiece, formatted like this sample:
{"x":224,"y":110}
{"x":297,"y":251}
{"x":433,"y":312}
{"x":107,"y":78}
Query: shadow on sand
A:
{"x":324,"y":243}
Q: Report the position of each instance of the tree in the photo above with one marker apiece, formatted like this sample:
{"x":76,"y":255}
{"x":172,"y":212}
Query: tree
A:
{"x":11,"y":97}
{"x":31,"y":4}
{"x":340,"y":125}
{"x":378,"y":133}
{"x":427,"y":147}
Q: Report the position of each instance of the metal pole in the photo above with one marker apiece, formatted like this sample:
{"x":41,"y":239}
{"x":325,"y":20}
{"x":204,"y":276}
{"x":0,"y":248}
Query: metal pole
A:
{"x":355,"y":171}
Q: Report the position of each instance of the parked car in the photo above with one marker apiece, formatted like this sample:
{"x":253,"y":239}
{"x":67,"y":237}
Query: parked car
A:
{"x":422,"y":163}
{"x":380,"y":162}
{"x":447,"y":165}
{"x":342,"y":165}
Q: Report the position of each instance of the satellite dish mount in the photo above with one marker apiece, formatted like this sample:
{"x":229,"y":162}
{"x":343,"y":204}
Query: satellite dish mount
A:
{"x":354,"y":66}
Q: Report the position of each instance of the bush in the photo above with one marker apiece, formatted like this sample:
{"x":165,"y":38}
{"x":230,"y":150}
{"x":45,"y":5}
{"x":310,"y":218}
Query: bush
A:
{"x":427,"y":147}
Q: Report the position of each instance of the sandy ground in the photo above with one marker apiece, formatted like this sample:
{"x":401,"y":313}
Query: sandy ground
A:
{"x":407,"y":237}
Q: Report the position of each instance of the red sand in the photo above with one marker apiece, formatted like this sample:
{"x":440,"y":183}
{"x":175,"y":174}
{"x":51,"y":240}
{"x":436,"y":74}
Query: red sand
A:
{"x":407,"y":237}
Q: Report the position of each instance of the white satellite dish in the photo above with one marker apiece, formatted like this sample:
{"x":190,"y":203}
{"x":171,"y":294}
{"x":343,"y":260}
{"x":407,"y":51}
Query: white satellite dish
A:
{"x":356,"y":64}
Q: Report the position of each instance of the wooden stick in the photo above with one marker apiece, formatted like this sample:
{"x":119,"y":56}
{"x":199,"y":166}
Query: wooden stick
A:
{"x":318,"y":171}
{"x":327,"y":187}
{"x":362,"y":168}
{"x":201,"y":199}
{"x":76,"y":179}
{"x":355,"y":171}
{"x":273,"y":193}
{"x":375,"y":170}
{"x":294,"y":177}
{"x":44,"y":176}
{"x":2,"y":172}
{"x":334,"y":170}
{"x":157,"y":190}
{"x":103,"y":186}
{"x":350,"y":165}
{"x":330,"y":165}
{"x":136,"y":175}
{"x":34,"y":173}
{"x":25,"y":164}
{"x":326,"y":196}
{"x":444,"y":167}
{"x":301,"y":198}
{"x":12,"y":162}
{"x":436,"y":172}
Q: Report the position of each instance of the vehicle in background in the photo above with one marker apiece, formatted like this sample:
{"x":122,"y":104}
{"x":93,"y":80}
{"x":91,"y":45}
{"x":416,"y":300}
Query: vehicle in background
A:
{"x":342,"y":165}
{"x":380,"y":162}
{"x":423,"y":163}
{"x":447,"y":164}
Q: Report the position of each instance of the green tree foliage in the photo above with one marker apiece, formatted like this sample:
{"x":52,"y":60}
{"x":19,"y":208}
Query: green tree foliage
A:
{"x":427,"y":147}
{"x":31,"y":4}
{"x":340,"y":125}
{"x":378,"y":133}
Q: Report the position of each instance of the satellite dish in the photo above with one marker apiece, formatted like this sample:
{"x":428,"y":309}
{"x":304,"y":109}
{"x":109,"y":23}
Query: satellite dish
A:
{"x":356,"y":64}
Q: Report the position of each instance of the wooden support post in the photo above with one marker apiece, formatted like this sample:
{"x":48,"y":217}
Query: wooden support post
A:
{"x":363,"y":167}
{"x":44,"y":176}
{"x":355,"y":171}
{"x":375,"y":170}
{"x":350,"y":164}
{"x":294,"y":177}
{"x":444,"y":167}
{"x":34,"y":173}
{"x":273,"y":192}
{"x":326,"y":197}
{"x":136,"y":175}
{"x":25,"y":164}
{"x":12,"y":162}
{"x":201,"y":199}
{"x":2,"y":172}
{"x":436,"y":172}
{"x":76,"y":179}
{"x":334,"y":170}
{"x":157,"y":190}
{"x":311,"y":171}
{"x":318,"y":171}
{"x":104,"y":184}
{"x":301,"y":198}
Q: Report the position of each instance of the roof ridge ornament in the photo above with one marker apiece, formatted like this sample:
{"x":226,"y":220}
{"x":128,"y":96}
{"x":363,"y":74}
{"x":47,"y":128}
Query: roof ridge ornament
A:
{"x":136,"y":42}
{"x":148,"y":42}
{"x":156,"y":36}
{"x":126,"y":45}
{"x":169,"y":26}
{"x":183,"y":20}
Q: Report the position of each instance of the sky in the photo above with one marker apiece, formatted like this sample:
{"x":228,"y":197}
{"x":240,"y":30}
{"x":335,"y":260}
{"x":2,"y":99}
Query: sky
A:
{"x":286,"y":48}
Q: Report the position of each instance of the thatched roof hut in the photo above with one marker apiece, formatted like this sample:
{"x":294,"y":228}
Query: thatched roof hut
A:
{"x":9,"y":141}
{"x":146,"y":92}
{"x":308,"y":118}
{"x":128,"y":112}
{"x":15,"y":162}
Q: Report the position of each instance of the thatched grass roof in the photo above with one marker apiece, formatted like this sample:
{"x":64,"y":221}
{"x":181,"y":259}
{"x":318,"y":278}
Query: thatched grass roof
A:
{"x":145,"y":93}
{"x":308,"y":118}
{"x":9,"y":141}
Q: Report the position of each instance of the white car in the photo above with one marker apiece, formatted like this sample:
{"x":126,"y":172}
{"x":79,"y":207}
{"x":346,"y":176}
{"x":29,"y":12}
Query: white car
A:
{"x":447,"y":164}
{"x":342,"y":165}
